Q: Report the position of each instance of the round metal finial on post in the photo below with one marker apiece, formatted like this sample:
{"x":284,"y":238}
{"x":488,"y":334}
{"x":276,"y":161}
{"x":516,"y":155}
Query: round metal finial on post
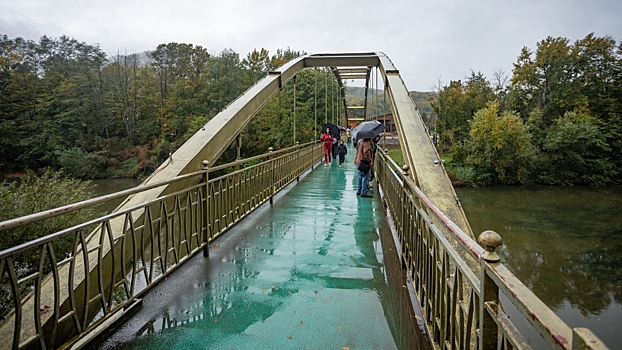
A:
{"x":270,"y":149}
{"x":490,"y":240}
{"x":205,"y":164}
{"x":405,"y":169}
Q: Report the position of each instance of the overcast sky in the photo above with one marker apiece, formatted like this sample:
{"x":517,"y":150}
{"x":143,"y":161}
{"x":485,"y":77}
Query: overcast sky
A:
{"x":427,"y":40}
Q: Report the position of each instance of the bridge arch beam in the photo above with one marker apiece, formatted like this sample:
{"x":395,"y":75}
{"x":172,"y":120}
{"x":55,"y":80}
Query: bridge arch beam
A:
{"x":419,"y":152}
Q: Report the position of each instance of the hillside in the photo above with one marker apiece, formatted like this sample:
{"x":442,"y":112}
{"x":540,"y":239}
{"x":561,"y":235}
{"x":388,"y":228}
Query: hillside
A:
{"x":355,"y":96}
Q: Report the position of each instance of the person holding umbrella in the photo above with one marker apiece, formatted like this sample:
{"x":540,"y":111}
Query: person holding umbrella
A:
{"x":366,"y":130}
{"x":327,"y":145}
{"x":365,"y":161}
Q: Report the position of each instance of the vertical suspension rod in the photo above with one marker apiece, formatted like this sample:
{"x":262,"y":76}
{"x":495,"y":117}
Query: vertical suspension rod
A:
{"x":315,"y":101}
{"x":295,"y":110}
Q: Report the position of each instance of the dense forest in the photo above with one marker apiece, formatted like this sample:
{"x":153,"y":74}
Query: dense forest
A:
{"x":66,"y":104}
{"x":556,"y":120}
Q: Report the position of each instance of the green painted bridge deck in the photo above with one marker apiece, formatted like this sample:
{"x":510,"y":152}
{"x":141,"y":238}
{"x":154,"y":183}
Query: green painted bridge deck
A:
{"x":315,"y":270}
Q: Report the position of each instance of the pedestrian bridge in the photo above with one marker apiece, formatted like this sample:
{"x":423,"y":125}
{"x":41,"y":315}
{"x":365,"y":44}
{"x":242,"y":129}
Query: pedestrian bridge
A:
{"x":317,"y":269}
{"x":291,"y":257}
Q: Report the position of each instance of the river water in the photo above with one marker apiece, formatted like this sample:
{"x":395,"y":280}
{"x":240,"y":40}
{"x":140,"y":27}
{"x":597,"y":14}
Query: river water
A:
{"x":102,"y":187}
{"x":565,"y":244}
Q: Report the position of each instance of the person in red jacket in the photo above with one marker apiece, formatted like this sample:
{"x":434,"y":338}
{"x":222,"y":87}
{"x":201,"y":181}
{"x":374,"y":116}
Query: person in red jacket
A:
{"x":327,"y":144}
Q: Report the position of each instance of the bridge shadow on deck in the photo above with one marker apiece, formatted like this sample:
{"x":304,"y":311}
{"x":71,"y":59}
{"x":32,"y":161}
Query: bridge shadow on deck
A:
{"x":315,"y":270}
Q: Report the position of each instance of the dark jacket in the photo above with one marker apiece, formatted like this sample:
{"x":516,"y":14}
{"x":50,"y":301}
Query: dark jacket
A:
{"x":342,"y":149}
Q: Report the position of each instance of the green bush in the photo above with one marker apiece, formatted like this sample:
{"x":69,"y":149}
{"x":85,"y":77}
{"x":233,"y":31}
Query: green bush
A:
{"x":31,"y":194}
{"x":127,"y":167}
{"x":498,"y":149}
{"x":82,"y":165}
{"x":574,"y":151}
{"x":197,"y":123}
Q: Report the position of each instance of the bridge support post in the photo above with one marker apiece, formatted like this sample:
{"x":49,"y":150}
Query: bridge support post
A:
{"x":206,"y":216}
{"x":271,"y":175}
{"x":489,"y":298}
{"x":298,"y":161}
{"x":312,"y":155}
{"x":403,"y":225}
{"x":238,"y":143}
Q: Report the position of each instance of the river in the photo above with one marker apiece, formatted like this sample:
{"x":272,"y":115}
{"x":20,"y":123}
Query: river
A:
{"x":102,"y":187}
{"x":564,"y":243}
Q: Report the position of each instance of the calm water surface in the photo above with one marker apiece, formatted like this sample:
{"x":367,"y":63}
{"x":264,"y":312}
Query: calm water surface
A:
{"x":103,"y":187}
{"x":565,"y":244}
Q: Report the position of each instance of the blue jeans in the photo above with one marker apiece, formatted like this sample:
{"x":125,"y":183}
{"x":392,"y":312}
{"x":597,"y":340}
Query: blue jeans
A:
{"x":363,"y":183}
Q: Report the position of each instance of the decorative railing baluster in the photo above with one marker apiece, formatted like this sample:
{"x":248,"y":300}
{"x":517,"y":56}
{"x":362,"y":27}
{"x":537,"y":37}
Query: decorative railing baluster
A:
{"x":457,"y":282}
{"x":134,"y":248}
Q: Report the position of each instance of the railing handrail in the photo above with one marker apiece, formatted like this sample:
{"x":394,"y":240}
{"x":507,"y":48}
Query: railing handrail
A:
{"x":141,"y":243}
{"x":50,"y":213}
{"x":468,"y":243}
{"x":46,"y":214}
{"x":264,"y":155}
{"x":48,"y":238}
{"x":555,"y":331}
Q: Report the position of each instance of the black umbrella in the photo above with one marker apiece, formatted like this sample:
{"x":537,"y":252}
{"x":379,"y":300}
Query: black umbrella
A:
{"x":334,"y":130}
{"x":367,"y":130}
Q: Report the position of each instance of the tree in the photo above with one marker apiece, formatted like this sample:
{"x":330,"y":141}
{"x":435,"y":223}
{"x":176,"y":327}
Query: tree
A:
{"x":14,"y":98}
{"x":583,"y":79}
{"x":455,"y":105}
{"x":66,"y":93}
{"x":257,"y":64}
{"x":182,"y":74}
{"x":575,"y":152}
{"x":123,"y":75}
{"x":546,"y":79}
{"x":498,"y":149}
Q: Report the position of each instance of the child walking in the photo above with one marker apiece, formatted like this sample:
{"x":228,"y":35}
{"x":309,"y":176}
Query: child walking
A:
{"x":342,"y":150}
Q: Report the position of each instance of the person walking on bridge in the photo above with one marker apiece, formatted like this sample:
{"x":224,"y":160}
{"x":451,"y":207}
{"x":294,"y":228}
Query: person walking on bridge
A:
{"x":327,"y":145}
{"x":365,"y":161}
{"x":342,"y":150}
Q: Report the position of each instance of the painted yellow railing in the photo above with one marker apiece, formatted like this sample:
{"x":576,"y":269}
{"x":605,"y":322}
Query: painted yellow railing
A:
{"x":115,"y":258}
{"x":458,"y":283}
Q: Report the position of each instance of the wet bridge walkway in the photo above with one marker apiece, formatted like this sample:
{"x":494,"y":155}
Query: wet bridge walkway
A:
{"x":316,"y":270}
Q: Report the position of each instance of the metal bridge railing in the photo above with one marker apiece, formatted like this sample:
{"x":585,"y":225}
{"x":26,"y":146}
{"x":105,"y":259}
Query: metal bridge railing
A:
{"x":116,"y":258}
{"x":461,"y":304}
